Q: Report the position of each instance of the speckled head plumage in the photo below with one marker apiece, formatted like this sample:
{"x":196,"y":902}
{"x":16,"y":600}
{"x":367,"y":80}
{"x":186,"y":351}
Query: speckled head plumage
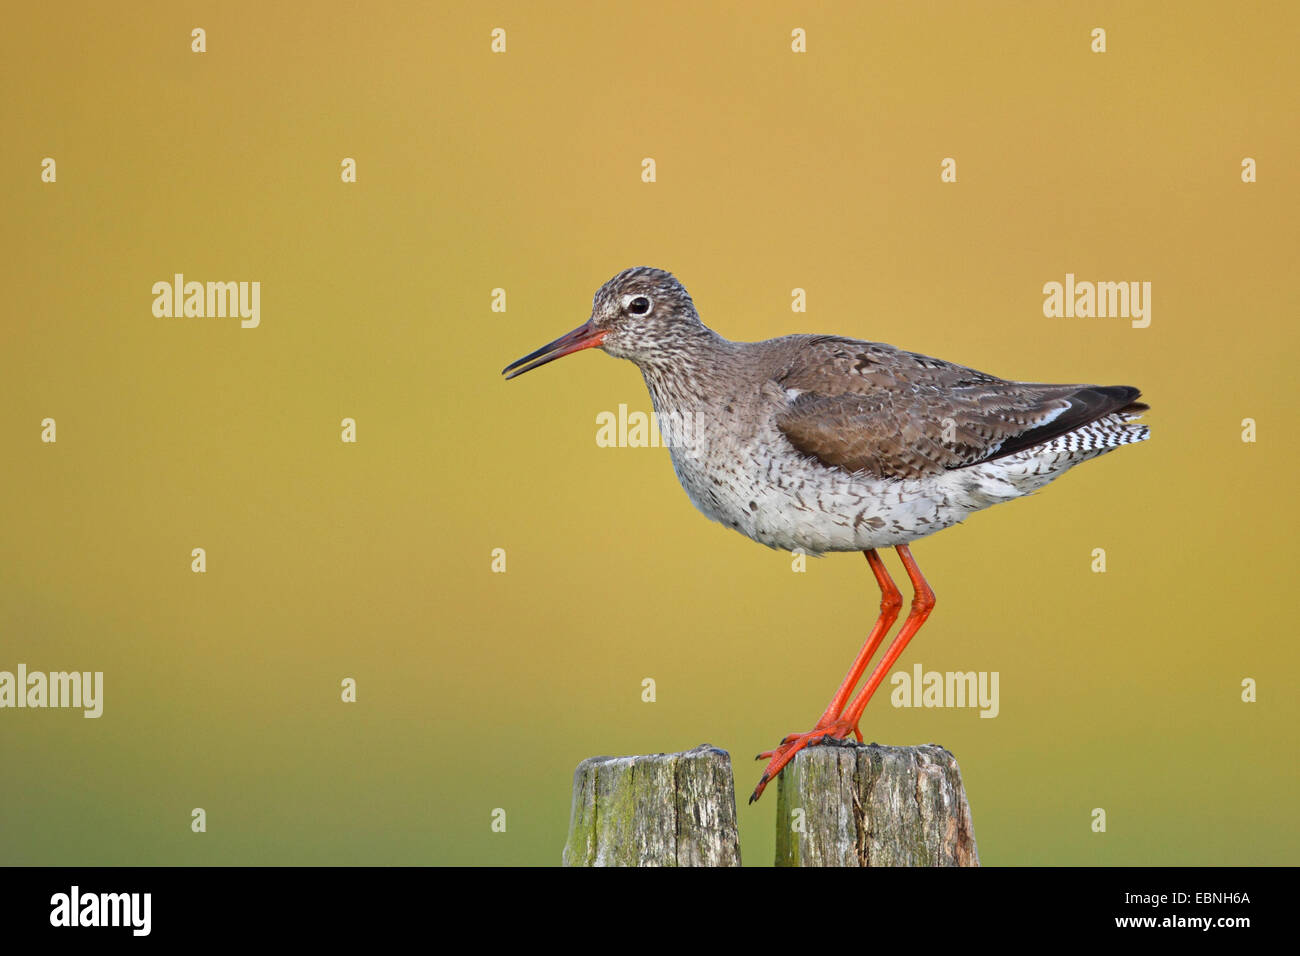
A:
{"x":643,"y":314}
{"x":653,"y":283}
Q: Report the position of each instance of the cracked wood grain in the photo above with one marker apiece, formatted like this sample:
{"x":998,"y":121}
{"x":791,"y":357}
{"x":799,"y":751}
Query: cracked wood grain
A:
{"x":655,"y":810}
{"x":874,"y":806}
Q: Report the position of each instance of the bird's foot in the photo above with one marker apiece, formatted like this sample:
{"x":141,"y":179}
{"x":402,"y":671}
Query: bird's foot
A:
{"x":834,"y":733}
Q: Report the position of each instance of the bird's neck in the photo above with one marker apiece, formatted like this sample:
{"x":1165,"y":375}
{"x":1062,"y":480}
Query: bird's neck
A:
{"x":683,"y":376}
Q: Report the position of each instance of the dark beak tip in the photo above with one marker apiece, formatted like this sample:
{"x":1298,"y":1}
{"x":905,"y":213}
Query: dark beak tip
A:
{"x":583,"y":337}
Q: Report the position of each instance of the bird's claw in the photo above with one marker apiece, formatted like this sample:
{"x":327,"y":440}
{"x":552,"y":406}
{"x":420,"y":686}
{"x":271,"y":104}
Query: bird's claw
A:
{"x":836,"y":734}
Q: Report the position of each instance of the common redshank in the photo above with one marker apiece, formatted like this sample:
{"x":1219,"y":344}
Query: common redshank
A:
{"x":822,"y":443}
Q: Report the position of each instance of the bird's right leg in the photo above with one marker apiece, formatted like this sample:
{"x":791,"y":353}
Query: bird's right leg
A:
{"x":922,"y":605}
{"x":891,"y":601}
{"x":831,"y":725}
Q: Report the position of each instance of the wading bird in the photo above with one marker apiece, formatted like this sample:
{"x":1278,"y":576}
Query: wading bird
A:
{"x":825,"y":443}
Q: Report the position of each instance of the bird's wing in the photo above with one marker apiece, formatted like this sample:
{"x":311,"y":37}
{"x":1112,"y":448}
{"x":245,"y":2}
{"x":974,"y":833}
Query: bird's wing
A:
{"x":874,"y":409}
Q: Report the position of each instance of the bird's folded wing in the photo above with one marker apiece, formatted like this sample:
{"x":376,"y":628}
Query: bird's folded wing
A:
{"x":870,"y":408}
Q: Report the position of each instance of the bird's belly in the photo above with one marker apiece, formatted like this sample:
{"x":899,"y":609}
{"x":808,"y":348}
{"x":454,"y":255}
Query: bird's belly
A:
{"x":794,"y":503}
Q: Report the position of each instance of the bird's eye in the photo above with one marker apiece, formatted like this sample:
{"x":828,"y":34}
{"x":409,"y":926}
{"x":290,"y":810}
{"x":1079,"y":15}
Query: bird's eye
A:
{"x":639,"y":306}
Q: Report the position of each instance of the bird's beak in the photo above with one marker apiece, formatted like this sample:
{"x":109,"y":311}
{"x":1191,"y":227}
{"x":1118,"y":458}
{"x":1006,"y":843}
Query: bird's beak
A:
{"x":584,"y":336}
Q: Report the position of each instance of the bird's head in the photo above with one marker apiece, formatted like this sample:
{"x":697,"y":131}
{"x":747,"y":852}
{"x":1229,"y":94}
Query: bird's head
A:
{"x":640,"y":314}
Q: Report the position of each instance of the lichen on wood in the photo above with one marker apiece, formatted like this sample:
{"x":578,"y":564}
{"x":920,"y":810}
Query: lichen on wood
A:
{"x":654,"y":810}
{"x":868,"y":805}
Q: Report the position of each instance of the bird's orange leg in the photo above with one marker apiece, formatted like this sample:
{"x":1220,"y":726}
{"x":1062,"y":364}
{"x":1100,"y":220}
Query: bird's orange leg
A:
{"x":922,"y":605}
{"x":891,"y":601}
{"x":842,"y":724}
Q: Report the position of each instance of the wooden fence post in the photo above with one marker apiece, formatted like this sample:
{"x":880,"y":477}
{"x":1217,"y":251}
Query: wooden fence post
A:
{"x":657,"y":810}
{"x":857,"y":805}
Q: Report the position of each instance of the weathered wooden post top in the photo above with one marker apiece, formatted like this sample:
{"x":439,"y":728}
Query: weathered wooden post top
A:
{"x":844,"y":804}
{"x":655,"y":810}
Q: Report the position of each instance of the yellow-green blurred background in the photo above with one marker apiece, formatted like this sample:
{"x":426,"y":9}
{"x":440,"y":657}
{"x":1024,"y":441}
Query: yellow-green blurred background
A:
{"x":521,"y":171}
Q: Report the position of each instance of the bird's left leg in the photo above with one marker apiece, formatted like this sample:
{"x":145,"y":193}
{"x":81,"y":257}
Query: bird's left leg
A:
{"x":891,"y":601}
{"x":922,"y":605}
{"x":847,"y":722}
